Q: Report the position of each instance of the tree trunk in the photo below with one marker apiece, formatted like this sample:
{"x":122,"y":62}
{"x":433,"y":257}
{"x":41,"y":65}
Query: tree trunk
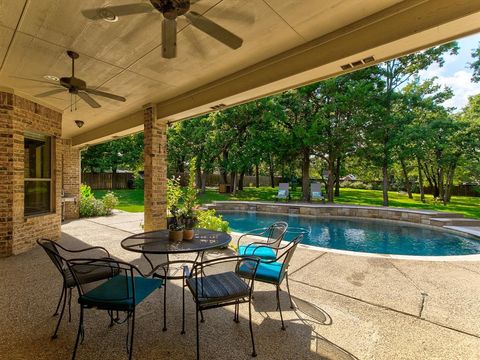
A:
{"x":203,"y":182}
{"x":385,"y":182}
{"x":441,"y":188}
{"x":448,"y":185}
{"x":114,"y":178}
{"x":234,"y":183}
{"x":408,"y":186}
{"x":306,"y":175}
{"x":330,"y":179}
{"x":223,"y":171}
{"x":337,"y":178}
{"x":240,"y":182}
{"x":420,"y":181}
{"x":198,"y":175}
{"x":272,"y":175}
{"x":232,"y":180}
{"x":257,"y":177}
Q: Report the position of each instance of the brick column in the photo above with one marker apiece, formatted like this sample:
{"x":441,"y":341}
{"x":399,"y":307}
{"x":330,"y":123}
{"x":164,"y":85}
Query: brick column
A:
{"x":155,"y":171}
{"x":71,"y":178}
{"x":6,"y":174}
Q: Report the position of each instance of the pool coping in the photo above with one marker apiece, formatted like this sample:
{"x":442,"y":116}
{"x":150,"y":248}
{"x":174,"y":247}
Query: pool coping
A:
{"x":414,"y":217}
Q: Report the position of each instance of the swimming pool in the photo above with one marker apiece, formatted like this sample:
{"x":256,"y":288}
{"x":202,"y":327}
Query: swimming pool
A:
{"x":363,"y":235}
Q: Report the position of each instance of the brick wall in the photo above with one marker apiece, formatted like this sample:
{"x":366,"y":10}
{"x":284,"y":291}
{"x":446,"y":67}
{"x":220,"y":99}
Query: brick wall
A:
{"x":155,"y":166}
{"x":17,"y":115}
{"x":71,"y":178}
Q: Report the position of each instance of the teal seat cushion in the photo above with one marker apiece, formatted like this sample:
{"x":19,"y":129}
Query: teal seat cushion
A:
{"x":266,"y":272}
{"x":263,"y":252}
{"x":117,"y":293}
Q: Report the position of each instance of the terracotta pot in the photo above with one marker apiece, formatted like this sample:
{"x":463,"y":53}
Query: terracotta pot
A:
{"x":175,"y":235}
{"x":188,"y":234}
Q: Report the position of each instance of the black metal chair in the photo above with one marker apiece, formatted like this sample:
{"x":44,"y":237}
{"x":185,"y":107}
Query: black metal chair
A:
{"x":266,"y":250}
{"x":122,"y":292}
{"x":275,"y":271}
{"x":59,"y":256}
{"x":212,"y":287}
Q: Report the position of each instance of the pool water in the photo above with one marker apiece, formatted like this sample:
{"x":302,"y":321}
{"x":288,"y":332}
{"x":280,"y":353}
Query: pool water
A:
{"x":371,"y":236}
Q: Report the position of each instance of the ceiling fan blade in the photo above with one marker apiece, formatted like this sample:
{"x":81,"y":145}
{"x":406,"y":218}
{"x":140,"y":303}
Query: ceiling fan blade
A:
{"x":50,"y":92}
{"x":35,"y":80}
{"x":88,"y":99}
{"x":214,"y":30}
{"x":169,"y":38}
{"x":119,"y":10}
{"x":105,"y":94}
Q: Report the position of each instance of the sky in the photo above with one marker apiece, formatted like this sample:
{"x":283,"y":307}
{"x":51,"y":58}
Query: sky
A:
{"x":456,"y":73}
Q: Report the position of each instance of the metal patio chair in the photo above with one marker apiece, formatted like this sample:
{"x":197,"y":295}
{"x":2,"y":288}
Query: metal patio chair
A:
{"x":213,"y":286}
{"x":59,"y":256}
{"x":266,"y":250}
{"x":275,"y":271}
{"x":122,"y":292}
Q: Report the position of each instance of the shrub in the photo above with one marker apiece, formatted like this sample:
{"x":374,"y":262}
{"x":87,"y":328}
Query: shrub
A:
{"x":138,"y":181}
{"x":208,"y":219}
{"x":110,"y":201}
{"x":90,"y":206}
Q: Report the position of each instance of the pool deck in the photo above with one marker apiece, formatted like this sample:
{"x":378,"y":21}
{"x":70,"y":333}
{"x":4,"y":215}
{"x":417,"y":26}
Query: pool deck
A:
{"x":347,"y":307}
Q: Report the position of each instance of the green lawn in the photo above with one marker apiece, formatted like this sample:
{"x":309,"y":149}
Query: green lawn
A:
{"x":132,"y":200}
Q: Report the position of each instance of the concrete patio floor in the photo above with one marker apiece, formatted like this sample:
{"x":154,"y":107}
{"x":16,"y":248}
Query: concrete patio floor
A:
{"x":347,"y":307}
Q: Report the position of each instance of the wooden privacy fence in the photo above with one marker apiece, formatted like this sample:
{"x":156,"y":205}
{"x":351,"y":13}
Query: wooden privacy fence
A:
{"x":108,"y":181}
{"x":216,"y":179}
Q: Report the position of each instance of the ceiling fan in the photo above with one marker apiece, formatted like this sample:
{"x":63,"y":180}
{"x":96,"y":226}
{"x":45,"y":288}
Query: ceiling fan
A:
{"x":76,"y":86}
{"x":170,"y":9}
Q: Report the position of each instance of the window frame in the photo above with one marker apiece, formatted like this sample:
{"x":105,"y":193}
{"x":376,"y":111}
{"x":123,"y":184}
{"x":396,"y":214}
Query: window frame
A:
{"x":50,"y":180}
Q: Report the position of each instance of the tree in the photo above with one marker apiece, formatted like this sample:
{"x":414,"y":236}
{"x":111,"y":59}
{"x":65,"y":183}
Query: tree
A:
{"x":383,"y":128}
{"x":475,"y":65}
{"x":344,"y":105}
{"x":300,"y":123}
{"x":125,"y":153}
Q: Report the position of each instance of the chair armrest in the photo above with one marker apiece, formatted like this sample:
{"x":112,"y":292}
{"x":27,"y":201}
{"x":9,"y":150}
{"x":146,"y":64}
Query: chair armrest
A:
{"x":256,"y":246}
{"x":258,"y":232}
{"x":153,"y":272}
{"x":84,"y":249}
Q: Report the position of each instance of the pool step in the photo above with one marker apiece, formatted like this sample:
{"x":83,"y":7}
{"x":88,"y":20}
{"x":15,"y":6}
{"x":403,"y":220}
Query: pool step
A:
{"x":454,"y":222}
{"x":447,"y":215}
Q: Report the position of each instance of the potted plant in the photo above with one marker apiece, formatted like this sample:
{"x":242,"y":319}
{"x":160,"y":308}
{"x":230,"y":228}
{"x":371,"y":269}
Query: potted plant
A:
{"x":190,"y":201}
{"x":174,"y":223}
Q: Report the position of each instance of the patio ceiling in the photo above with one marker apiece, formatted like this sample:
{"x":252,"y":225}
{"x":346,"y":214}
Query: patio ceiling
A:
{"x":287,"y":43}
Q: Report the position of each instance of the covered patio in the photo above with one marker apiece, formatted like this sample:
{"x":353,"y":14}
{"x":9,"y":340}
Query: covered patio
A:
{"x":348,"y":307}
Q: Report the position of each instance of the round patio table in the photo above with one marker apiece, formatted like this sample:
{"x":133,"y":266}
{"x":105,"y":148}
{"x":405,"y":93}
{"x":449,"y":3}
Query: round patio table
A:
{"x":157,"y":242}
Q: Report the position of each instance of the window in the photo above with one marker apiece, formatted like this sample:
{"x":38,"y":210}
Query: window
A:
{"x":38,"y":174}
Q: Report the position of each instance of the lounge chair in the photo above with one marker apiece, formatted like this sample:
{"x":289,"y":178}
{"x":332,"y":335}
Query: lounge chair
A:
{"x":316,"y":192}
{"x":283,"y":191}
